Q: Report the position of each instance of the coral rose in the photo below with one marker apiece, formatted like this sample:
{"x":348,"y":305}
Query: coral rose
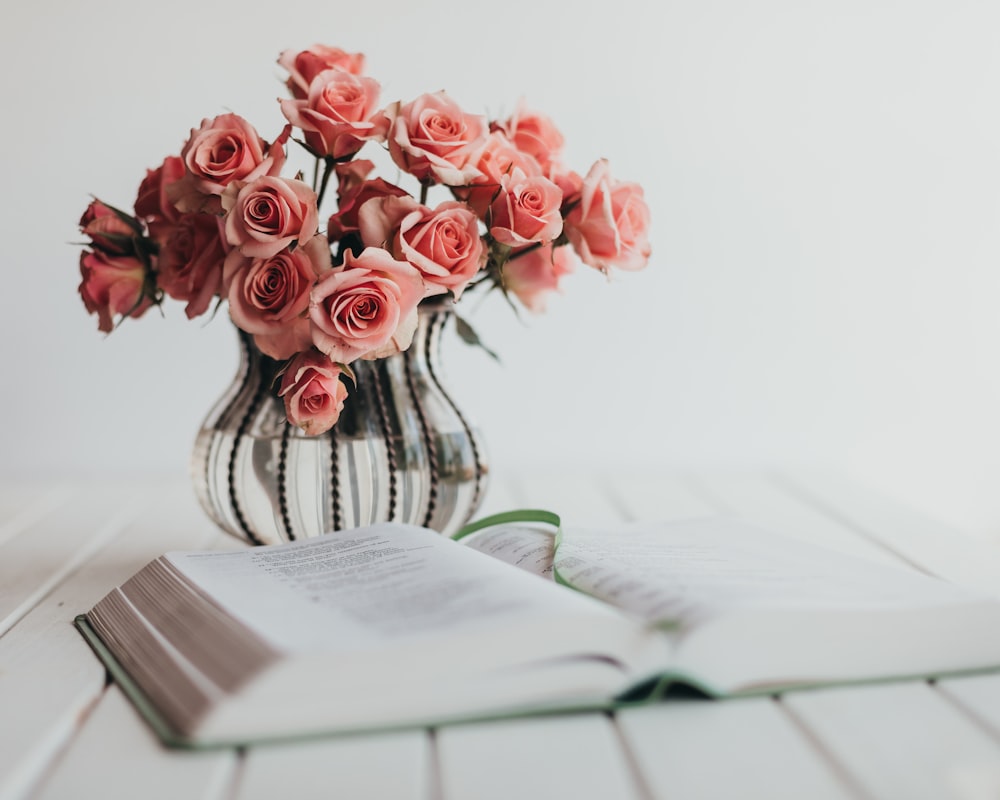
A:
{"x":339,"y":114}
{"x":305,"y":65}
{"x":443,"y":243}
{"x":108,"y":229}
{"x":534,"y":134}
{"x":495,"y":158}
{"x":153,"y":204}
{"x":313,"y":393}
{"x":366,"y":308}
{"x":379,"y":219}
{"x":351,"y":197}
{"x":433,"y":139}
{"x":526,"y":210}
{"x":534,"y":274}
{"x":609,"y":226}
{"x":264,"y":216}
{"x":223,"y":150}
{"x":190,"y":264}
{"x":112,"y":285}
{"x":269,"y":297}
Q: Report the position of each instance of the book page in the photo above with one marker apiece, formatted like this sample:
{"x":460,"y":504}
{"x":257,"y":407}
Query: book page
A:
{"x":372,"y":586}
{"x":528,"y":548}
{"x":677,"y":574}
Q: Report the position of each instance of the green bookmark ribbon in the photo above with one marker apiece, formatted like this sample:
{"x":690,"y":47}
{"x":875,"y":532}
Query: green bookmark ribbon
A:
{"x":536,"y":515}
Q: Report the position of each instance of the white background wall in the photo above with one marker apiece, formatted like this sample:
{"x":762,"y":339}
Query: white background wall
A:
{"x":825,"y":185}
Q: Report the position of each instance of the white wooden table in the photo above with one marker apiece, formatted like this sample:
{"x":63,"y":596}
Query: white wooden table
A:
{"x":66,"y":733}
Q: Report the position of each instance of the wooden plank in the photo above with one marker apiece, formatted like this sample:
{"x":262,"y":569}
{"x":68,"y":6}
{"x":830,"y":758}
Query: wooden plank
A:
{"x":759,"y":500}
{"x":738,"y":748}
{"x":978,"y":696}
{"x":391,"y":765}
{"x":22,"y":504}
{"x":117,"y":756}
{"x":572,"y":756}
{"x":52,"y":546}
{"x":926,"y":544}
{"x":49,"y":678}
{"x":902,"y":740}
{"x":783,"y":506}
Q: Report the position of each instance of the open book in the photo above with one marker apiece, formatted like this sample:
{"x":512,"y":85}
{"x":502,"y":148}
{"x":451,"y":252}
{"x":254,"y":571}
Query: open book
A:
{"x":395,"y":625}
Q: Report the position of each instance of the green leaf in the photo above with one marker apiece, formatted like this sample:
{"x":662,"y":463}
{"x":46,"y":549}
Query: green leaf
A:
{"x":469,"y":336}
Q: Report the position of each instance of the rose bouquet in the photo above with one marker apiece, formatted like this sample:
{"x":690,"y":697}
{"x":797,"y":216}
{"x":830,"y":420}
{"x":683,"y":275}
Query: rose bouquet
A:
{"x":224,"y":221}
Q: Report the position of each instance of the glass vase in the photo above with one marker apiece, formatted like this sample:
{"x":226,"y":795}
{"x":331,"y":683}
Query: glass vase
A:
{"x":401,"y":450}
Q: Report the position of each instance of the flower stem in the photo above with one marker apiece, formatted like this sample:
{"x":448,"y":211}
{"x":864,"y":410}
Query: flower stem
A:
{"x":327,"y":170}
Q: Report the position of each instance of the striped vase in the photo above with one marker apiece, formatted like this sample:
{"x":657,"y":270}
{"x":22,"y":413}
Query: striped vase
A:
{"x":401,"y":450}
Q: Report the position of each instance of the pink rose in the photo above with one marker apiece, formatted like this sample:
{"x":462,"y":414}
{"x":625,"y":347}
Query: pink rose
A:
{"x":353,"y":191}
{"x":534,"y":134}
{"x":108,"y":230}
{"x":189,"y":267}
{"x":433,"y":139}
{"x":153,"y":205}
{"x":112,"y":285}
{"x":269,"y":297}
{"x":379,"y":219}
{"x":313,"y":392}
{"x":443,"y":244}
{"x":351,"y":175}
{"x":305,"y":65}
{"x":495,"y":158}
{"x":366,"y":308}
{"x":526,"y":210}
{"x":570,"y":184}
{"x":221,"y":151}
{"x":264,"y":216}
{"x":534,"y":274}
{"x":339,"y":115}
{"x":609,"y":226}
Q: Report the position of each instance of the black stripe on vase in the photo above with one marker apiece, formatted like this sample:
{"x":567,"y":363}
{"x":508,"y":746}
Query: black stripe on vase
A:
{"x":335,"y":510}
{"x":429,"y":445}
{"x":237,"y":441}
{"x":283,"y":482}
{"x":225,"y":415}
{"x":436,"y":326}
{"x":390,"y":448}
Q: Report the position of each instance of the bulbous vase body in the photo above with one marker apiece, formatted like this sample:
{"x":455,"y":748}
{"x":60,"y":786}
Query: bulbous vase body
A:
{"x":401,"y":450}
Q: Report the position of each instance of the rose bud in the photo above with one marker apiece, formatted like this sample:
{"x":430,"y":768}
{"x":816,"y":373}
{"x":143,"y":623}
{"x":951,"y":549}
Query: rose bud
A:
{"x":313,"y":392}
{"x":609,"y":226}
{"x":108,"y":230}
{"x":112,"y":285}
